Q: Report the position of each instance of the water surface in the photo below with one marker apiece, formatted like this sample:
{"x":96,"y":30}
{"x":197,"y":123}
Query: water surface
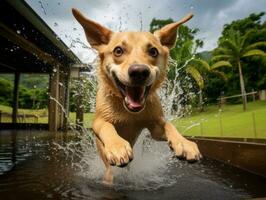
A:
{"x":43,"y":165}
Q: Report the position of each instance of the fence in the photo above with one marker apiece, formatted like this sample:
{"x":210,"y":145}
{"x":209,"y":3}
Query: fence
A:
{"x":222,"y":99}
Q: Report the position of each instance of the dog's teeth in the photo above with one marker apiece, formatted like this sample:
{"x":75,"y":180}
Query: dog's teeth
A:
{"x":126,"y":100}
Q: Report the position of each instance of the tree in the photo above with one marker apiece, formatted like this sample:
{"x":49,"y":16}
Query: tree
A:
{"x":198,"y":67}
{"x":6,"y":92}
{"x":159,"y":23}
{"x":235,"y":48}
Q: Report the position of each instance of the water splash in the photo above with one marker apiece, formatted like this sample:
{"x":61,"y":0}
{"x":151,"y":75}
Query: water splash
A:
{"x":149,"y":170}
{"x":42,"y":7}
{"x":171,"y":93}
{"x":152,"y":162}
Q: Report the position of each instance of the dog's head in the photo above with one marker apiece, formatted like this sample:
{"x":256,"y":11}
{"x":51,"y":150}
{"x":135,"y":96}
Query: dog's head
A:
{"x":133,"y":63}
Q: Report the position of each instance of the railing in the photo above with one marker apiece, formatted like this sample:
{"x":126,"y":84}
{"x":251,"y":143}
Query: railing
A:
{"x":222,"y":99}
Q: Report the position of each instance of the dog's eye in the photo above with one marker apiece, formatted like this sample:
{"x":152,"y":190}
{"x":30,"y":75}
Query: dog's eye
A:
{"x":118,"y":51}
{"x":153,"y":52}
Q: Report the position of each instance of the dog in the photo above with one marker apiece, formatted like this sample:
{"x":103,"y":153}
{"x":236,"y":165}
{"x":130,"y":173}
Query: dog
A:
{"x":132,"y":66}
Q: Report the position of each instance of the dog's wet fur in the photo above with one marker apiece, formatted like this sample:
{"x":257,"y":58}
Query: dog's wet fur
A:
{"x":132,"y":67}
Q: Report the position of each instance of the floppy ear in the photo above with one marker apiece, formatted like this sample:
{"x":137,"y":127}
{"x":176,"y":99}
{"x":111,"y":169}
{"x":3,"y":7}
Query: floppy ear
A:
{"x":167,"y":34}
{"x":96,"y":34}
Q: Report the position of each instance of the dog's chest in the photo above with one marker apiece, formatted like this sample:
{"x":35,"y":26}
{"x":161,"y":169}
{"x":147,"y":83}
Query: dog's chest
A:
{"x":129,"y":131}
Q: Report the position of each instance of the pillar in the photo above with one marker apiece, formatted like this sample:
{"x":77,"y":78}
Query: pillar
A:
{"x":53,"y":116}
{"x":66,"y":99}
{"x":15,"y":98}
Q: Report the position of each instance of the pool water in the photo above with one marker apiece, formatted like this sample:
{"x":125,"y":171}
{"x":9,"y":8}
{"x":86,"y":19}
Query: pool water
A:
{"x":43,"y":165}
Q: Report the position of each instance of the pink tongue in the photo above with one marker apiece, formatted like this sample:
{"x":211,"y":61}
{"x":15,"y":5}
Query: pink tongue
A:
{"x":135,"y":96}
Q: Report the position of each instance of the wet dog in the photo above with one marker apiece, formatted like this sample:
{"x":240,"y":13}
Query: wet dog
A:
{"x":132,"y":66}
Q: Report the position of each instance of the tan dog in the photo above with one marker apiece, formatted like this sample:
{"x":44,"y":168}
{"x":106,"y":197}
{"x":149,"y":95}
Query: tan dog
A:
{"x":132,"y":66}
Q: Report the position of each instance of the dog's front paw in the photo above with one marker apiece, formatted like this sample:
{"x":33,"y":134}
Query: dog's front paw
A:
{"x":119,"y":153}
{"x":185,"y":149}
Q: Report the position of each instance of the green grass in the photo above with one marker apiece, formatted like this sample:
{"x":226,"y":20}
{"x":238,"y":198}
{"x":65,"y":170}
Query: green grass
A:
{"x":87,"y":118}
{"x":230,"y":121}
{"x":43,"y":115}
{"x":233,"y":120}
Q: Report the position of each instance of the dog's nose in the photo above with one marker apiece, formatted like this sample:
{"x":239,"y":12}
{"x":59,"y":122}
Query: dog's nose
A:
{"x":138,"y":73}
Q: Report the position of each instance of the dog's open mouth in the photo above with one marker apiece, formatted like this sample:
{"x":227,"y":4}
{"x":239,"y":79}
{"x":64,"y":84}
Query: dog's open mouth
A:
{"x":134,"y":96}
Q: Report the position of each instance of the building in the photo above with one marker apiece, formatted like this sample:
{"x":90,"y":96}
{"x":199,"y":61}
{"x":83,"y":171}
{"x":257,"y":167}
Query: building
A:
{"x":38,"y":50}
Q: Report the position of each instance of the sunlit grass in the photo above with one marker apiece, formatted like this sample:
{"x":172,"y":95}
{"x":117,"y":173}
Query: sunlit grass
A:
{"x":88,"y":117}
{"x":42,"y":115}
{"x":230,"y":121}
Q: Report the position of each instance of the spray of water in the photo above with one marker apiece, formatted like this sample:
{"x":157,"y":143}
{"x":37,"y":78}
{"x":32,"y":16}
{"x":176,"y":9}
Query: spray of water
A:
{"x":152,"y":162}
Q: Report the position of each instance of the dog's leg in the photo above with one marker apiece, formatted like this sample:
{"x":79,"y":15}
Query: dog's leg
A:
{"x":108,"y":175}
{"x":116,"y":150}
{"x":182,"y":147}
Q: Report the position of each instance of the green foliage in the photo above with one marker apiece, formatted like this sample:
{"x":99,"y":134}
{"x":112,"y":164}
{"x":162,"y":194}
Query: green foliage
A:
{"x":187,"y":62}
{"x":243,"y":26}
{"x":159,"y":23}
{"x":32,"y":90}
{"x":6,"y":91}
{"x":35,"y":98}
{"x":196,"y":75}
{"x":243,"y":43}
{"x":83,"y":92}
{"x":34,"y":80}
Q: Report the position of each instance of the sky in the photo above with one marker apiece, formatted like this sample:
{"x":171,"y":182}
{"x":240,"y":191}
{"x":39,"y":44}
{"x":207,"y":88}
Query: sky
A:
{"x":136,"y":15}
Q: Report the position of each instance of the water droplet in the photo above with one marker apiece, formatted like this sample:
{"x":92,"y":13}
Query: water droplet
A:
{"x":74,"y":29}
{"x":40,"y":2}
{"x":55,"y":24}
{"x":18,"y":31}
{"x":54,"y":70}
{"x":191,"y":7}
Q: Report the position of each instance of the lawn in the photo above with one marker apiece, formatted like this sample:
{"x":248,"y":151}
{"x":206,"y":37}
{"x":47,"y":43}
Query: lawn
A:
{"x":230,"y":121}
{"x":43,"y":115}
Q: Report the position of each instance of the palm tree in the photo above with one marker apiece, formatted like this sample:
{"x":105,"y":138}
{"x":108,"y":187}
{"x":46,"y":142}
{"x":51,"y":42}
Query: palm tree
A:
{"x":184,"y":58}
{"x":196,"y":67}
{"x":234,"y":49}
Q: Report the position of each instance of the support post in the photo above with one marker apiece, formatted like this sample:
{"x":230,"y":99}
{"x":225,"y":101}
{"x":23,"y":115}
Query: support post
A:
{"x":53,"y":100}
{"x":79,"y":107}
{"x":221,"y":124}
{"x":66,"y":100}
{"x":253,"y":95}
{"x":61,"y":99}
{"x":254,"y":125}
{"x":15,"y":98}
